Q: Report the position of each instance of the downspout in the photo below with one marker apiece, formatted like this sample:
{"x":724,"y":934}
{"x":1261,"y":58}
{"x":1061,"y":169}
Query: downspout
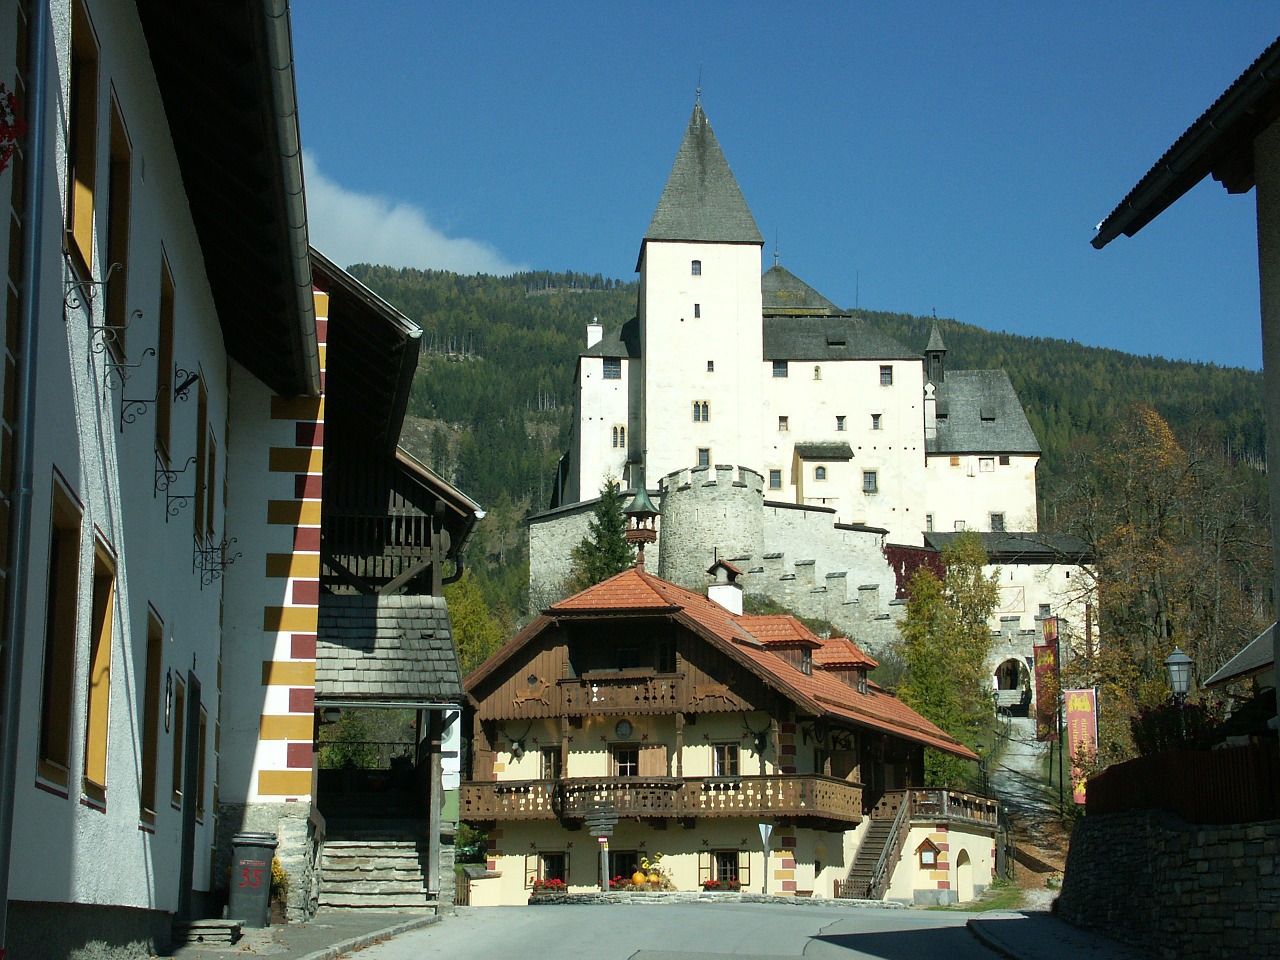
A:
{"x":284,"y":98}
{"x":25,"y":394}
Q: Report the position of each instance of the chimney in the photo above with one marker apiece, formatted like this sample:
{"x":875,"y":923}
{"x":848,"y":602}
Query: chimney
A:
{"x":595,"y":332}
{"x":726,"y":590}
{"x":930,"y":413}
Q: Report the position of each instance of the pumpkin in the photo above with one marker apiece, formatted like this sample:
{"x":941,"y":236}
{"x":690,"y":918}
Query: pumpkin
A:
{"x":638,"y":878}
{"x":654,"y":879}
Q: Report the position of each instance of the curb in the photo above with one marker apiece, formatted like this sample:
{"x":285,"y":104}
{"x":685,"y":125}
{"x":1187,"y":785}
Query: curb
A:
{"x":987,"y":939}
{"x":336,"y":950}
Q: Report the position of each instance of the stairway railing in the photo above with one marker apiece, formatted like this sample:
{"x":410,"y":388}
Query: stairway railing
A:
{"x":892,"y":849}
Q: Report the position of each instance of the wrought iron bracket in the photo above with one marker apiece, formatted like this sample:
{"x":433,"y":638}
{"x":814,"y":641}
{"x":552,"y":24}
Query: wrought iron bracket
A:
{"x":82,"y":291}
{"x":211,"y":559}
{"x":166,"y":477}
{"x":130,"y":410}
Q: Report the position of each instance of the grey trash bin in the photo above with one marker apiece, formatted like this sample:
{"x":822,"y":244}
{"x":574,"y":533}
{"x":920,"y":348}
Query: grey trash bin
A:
{"x":250,"y":900}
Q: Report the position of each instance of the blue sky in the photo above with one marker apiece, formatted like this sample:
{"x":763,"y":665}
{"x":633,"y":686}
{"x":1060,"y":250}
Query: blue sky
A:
{"x":906,"y":156}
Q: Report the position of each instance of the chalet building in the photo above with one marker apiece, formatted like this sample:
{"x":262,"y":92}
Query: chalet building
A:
{"x":188,"y":474}
{"x":842,"y":443}
{"x":696,"y":723}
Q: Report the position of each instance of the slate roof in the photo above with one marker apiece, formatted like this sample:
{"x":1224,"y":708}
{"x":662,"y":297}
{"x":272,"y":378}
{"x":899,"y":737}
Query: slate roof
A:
{"x":744,"y":638}
{"x":824,"y":450}
{"x":1023,"y":547}
{"x":782,"y":293}
{"x":702,"y":201}
{"x":386,"y":648}
{"x":935,"y":341}
{"x":623,"y":343}
{"x":829,"y":338}
{"x":1257,"y":657}
{"x":982,"y":415}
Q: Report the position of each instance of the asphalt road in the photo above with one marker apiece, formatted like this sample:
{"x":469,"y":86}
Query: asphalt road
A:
{"x":694,"y":931}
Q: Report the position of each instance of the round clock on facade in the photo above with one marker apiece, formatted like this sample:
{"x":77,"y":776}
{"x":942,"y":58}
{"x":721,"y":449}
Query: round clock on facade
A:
{"x":624,"y":730}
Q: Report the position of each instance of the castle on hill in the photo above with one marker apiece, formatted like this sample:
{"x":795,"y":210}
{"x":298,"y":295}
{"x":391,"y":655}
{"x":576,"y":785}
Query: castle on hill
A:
{"x":785,"y":433}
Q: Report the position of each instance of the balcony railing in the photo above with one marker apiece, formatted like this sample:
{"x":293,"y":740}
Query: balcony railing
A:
{"x":821,"y":798}
{"x":624,"y":690}
{"x":953,"y":805}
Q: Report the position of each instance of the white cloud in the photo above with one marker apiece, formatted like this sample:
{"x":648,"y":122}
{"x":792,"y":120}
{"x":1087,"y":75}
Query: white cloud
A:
{"x":350,"y":227}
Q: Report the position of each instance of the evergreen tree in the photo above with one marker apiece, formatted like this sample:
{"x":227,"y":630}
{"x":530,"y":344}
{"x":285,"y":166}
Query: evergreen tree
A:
{"x":604,"y":551}
{"x":945,"y":643}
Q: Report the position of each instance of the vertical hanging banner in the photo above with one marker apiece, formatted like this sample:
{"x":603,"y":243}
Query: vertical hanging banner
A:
{"x":1082,"y":735}
{"x":1046,"y":670}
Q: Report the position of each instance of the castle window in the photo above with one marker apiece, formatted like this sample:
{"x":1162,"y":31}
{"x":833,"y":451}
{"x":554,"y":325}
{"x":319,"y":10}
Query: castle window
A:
{"x":701,"y":411}
{"x":775,"y":479}
{"x":779,"y":368}
{"x":697,"y":310}
{"x":1004,"y":459}
{"x":886,"y":375}
{"x":959,"y":526}
{"x":986,"y":464}
{"x":711,"y":366}
{"x":928,"y":522}
{"x":870,"y":483}
{"x":695,"y":268}
{"x":955,"y":461}
{"x":784,"y":424}
{"x":819,"y":473}
{"x":875,"y":421}
{"x":817,"y":373}
{"x":840,"y":423}
{"x":619,"y":436}
{"x":997,"y":523}
{"x":613,"y":368}
{"x":704,"y":456}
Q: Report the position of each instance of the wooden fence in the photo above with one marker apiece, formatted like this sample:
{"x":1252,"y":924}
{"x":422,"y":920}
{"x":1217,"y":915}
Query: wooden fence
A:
{"x":1234,"y":785}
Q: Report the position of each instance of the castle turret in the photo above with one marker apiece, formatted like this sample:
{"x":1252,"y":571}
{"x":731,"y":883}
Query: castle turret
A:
{"x":709,"y":514}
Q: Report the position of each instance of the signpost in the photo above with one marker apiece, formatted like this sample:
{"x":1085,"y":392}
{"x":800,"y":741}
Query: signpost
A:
{"x":600,"y":820}
{"x":766,"y":830}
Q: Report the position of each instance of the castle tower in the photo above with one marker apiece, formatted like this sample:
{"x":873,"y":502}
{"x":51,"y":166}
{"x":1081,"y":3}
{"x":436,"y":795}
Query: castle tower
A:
{"x":700,"y":316}
{"x":708,"y":515}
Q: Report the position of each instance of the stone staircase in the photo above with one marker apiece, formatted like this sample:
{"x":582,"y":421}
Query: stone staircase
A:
{"x":376,"y":868}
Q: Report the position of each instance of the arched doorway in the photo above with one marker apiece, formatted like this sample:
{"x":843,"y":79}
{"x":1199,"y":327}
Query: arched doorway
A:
{"x":964,"y":877}
{"x":1013,"y":686}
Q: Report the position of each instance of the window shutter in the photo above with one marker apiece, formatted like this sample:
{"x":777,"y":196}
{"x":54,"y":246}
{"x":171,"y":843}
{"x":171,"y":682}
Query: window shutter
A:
{"x":566,"y":868}
{"x":704,"y":866}
{"x":531,"y":862}
{"x":653,"y":760}
{"x":744,"y":868}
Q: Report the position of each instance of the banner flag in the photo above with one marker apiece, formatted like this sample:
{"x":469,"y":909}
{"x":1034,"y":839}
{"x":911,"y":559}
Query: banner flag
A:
{"x":1082,"y":734}
{"x":1046,"y":671}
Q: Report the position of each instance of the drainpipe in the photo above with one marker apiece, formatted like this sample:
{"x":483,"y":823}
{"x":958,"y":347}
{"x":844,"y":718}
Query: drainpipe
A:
{"x":20,"y":535}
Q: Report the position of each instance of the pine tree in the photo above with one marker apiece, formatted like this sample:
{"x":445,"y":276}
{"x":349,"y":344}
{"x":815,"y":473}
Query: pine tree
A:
{"x":604,"y":551}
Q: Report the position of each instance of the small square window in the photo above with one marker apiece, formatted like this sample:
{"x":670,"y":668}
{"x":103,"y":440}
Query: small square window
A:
{"x":724,"y":760}
{"x":697,"y":310}
{"x":886,"y":375}
{"x":875,"y":421}
{"x":779,"y":368}
{"x":997,"y":523}
{"x":695,"y":268}
{"x":819,"y":473}
{"x":613,"y":368}
{"x":784,"y":424}
{"x":775,"y":479}
{"x":626,"y":761}
{"x":711,"y":366}
{"x":959,"y":526}
{"x":955,"y":461}
{"x":704,"y":456}
{"x":839,"y":423}
{"x":1004,"y":459}
{"x":986,"y":464}
{"x":870,"y":483}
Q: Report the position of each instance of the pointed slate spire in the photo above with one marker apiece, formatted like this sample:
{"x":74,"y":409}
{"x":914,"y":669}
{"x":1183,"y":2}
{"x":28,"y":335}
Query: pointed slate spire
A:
{"x":935,"y":355}
{"x":701,"y":201}
{"x":935,"y":341}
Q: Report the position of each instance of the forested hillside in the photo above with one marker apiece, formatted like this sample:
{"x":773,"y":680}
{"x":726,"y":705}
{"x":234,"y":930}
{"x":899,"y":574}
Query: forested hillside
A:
{"x":493,"y":395}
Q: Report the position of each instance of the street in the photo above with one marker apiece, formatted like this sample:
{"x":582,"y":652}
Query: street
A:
{"x":688,"y":932}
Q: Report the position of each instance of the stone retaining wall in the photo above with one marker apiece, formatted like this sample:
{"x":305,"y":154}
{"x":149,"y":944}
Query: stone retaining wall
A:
{"x":687,"y":896}
{"x":1177,"y":889}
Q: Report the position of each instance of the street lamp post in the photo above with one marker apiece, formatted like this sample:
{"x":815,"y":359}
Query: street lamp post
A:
{"x":1178,"y":668}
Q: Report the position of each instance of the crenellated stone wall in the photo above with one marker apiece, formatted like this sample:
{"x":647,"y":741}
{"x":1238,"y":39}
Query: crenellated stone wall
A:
{"x":1178,"y":889}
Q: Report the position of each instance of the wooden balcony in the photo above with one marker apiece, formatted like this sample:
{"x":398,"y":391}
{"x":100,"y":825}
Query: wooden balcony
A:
{"x":943,"y":804}
{"x":816,"y":798}
{"x":620,"y":691}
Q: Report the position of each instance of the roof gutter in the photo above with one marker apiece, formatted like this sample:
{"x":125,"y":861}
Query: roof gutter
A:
{"x":284,"y":97}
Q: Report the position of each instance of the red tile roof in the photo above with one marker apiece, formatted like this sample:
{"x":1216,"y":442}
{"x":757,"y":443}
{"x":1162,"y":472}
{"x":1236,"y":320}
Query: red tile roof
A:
{"x":842,"y":652}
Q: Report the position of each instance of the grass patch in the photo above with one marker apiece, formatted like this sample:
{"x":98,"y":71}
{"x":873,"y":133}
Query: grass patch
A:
{"x":1001,"y":895}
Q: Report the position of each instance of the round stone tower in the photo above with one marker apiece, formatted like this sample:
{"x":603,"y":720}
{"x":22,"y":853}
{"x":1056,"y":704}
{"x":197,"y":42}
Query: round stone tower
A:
{"x":710,"y":513}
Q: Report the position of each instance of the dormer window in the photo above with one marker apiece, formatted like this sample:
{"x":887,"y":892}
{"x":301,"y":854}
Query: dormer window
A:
{"x":862,"y":679}
{"x":695,"y":268}
{"x":806,"y":662}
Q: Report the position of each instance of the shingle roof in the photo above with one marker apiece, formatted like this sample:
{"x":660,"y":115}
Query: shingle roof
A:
{"x":386,"y":648}
{"x":982,"y":415}
{"x":824,"y":450}
{"x":935,"y":341}
{"x":1023,"y":547}
{"x":739,"y":636}
{"x":1257,"y":657}
{"x":701,"y":201}
{"x":782,"y":293}
{"x":829,"y":338}
{"x":624,"y":343}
